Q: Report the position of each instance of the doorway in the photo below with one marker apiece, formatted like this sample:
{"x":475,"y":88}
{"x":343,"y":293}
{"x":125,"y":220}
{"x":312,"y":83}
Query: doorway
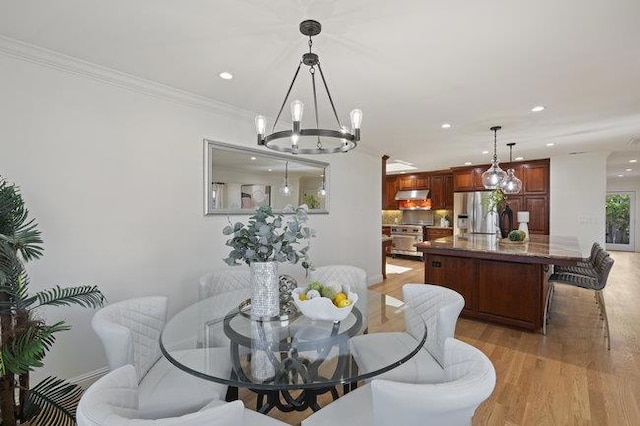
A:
{"x":620,"y":221}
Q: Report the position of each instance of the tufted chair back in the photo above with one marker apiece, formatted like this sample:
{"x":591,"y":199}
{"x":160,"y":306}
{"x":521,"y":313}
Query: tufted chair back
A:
{"x":439,"y":308}
{"x":130,"y":332}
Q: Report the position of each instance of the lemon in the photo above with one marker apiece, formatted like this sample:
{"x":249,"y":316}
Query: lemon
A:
{"x":344,"y":303}
{"x":339,"y":297}
{"x":303,"y":296}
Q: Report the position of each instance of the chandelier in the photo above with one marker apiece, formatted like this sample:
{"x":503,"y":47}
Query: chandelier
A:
{"x":492,"y":177}
{"x":327,"y":141}
{"x":511,"y":184}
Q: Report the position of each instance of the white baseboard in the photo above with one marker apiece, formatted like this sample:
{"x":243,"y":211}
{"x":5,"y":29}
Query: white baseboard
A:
{"x":87,"y":379}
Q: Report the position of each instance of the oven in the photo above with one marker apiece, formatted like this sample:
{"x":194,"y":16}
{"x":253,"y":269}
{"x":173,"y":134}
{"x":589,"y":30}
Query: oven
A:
{"x":403,"y":239}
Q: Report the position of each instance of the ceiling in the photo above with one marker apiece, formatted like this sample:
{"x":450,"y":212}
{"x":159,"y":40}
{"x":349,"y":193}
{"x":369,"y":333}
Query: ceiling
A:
{"x":410,"y":65}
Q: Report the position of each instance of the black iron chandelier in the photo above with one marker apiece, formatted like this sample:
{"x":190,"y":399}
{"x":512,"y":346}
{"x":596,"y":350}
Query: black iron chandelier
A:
{"x":327,"y":141}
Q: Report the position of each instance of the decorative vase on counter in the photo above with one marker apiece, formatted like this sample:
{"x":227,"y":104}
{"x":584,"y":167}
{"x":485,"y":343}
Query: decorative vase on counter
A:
{"x":507,"y":213}
{"x":265,"y":292}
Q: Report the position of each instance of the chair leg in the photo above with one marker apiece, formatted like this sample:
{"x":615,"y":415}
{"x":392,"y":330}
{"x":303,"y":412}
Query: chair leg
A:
{"x":547,"y":306}
{"x":603,"y":311}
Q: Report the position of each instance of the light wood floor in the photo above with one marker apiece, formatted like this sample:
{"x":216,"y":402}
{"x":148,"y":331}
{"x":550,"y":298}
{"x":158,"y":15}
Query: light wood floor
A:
{"x":567,"y":377}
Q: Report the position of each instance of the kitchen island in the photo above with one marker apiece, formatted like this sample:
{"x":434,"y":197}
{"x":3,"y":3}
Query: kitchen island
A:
{"x":501,"y":282}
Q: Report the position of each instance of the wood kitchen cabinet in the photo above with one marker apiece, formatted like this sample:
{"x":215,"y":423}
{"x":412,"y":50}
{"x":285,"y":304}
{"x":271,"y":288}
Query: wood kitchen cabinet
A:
{"x":413,"y":181}
{"x":468,"y":179}
{"x":535,"y":177}
{"x":441,"y":191}
{"x":538,"y":207}
{"x":435,"y":233}
{"x":388,"y":196}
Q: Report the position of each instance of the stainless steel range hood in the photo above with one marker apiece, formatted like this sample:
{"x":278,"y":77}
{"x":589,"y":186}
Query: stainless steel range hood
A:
{"x":416,"y":194}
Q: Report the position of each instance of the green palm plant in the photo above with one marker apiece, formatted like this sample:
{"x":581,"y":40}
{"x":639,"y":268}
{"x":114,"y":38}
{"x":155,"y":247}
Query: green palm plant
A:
{"x":24,"y":337}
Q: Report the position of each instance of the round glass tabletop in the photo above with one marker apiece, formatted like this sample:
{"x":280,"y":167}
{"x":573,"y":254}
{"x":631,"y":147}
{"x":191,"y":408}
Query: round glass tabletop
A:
{"x":216,"y":340}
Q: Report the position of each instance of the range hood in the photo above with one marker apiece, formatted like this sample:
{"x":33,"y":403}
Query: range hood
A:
{"x":416,"y":194}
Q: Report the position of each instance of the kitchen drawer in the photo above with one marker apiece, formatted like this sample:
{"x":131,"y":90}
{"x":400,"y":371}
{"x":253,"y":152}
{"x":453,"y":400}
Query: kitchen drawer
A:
{"x":434,"y":233}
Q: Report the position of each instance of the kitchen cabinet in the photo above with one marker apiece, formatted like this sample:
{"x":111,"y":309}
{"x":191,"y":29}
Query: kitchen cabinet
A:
{"x":434,"y":233}
{"x":388,"y":196}
{"x":535,"y":177}
{"x":468,"y":179}
{"x":413,"y":181}
{"x":441,"y":191}
{"x":538,"y":208}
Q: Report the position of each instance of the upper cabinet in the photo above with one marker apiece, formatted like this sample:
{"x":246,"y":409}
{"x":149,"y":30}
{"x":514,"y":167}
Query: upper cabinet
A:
{"x":441,"y":191}
{"x":468,"y":179}
{"x":389,"y":194}
{"x":535,"y":177}
{"x":413,"y":181}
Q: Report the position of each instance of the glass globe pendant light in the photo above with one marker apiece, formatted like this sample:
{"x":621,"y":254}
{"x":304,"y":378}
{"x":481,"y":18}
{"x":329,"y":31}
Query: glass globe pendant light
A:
{"x":322,"y":191}
{"x":492,"y":177}
{"x":285,"y":189}
{"x":511,"y":184}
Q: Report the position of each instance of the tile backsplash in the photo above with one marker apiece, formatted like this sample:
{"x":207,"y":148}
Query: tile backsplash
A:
{"x":391,"y":217}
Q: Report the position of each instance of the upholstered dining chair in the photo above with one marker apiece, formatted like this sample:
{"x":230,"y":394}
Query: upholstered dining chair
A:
{"x":469,"y":379}
{"x":130,"y":333}
{"x":439,"y":308}
{"x":113,"y":401}
{"x":602,"y":267}
{"x":224,"y":279}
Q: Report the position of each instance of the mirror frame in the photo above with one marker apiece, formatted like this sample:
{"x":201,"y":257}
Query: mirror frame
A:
{"x":210,"y":145}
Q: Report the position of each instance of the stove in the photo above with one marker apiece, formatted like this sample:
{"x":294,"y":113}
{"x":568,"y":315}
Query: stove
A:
{"x":404,"y":237}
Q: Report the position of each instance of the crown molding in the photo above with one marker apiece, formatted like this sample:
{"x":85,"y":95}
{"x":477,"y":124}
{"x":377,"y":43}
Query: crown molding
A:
{"x":49,"y":58}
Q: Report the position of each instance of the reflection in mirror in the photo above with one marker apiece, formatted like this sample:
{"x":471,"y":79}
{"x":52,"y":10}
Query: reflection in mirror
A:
{"x":239,"y":179}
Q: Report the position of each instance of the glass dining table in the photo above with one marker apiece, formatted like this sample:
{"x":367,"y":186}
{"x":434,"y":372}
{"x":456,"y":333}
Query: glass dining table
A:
{"x":288,"y":361}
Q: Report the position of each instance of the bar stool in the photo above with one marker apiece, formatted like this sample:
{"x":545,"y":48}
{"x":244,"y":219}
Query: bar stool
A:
{"x":602,"y":268}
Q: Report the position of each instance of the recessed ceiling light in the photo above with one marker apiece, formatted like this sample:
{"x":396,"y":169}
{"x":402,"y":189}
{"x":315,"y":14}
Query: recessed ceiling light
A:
{"x":537,"y":108}
{"x":468,"y":163}
{"x":628,"y":170}
{"x":620,"y":175}
{"x":550,"y":144}
{"x":270,"y":170}
{"x":252,"y":158}
{"x":633,"y":161}
{"x":519,"y":158}
{"x":485,"y":152}
{"x":446,"y":126}
{"x":226,"y":75}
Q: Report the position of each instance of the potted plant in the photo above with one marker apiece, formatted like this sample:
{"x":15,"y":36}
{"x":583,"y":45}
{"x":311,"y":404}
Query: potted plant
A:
{"x":267,"y":239}
{"x":24,"y":337}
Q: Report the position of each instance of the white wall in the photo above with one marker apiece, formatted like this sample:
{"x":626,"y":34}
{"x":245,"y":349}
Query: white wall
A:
{"x":114,"y":177}
{"x":578,"y":189}
{"x":628,"y":185}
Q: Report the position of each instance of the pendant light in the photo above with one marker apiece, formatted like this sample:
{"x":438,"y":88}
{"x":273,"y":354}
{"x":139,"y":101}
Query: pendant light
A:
{"x":511,"y":184}
{"x":492,"y":177}
{"x":322,"y":191}
{"x":285,"y":189}
{"x":312,"y":140}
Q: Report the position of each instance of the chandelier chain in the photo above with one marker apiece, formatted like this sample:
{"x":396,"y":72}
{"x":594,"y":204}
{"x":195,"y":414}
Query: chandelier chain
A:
{"x":495,"y":145}
{"x":315,"y":101}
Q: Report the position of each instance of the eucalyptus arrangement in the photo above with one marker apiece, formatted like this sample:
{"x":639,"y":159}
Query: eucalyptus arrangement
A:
{"x":271,"y":237}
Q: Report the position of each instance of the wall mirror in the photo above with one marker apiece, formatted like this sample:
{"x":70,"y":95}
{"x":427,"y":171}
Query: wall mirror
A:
{"x":239,"y":179}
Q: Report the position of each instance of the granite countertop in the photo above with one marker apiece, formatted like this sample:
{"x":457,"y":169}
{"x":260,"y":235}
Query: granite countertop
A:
{"x":539,"y":249}
{"x":428,"y":226}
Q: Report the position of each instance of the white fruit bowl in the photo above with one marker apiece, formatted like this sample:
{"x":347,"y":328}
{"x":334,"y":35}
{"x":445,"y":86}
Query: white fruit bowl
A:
{"x":322,"y":308}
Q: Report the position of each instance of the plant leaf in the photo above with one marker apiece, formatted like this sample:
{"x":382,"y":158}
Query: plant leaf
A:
{"x":53,"y":401}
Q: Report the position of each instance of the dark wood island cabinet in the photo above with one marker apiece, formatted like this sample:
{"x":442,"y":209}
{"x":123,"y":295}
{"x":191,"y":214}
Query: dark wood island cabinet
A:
{"x":501,"y":283}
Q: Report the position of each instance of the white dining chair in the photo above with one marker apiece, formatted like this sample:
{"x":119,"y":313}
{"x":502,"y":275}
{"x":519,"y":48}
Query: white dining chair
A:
{"x":469,"y":380}
{"x":224,"y":279}
{"x":434,"y":306}
{"x":113,"y":401}
{"x":130,"y":333}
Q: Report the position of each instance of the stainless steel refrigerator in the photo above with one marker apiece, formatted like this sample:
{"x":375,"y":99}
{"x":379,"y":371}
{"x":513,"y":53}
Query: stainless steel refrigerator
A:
{"x":472,"y":214}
